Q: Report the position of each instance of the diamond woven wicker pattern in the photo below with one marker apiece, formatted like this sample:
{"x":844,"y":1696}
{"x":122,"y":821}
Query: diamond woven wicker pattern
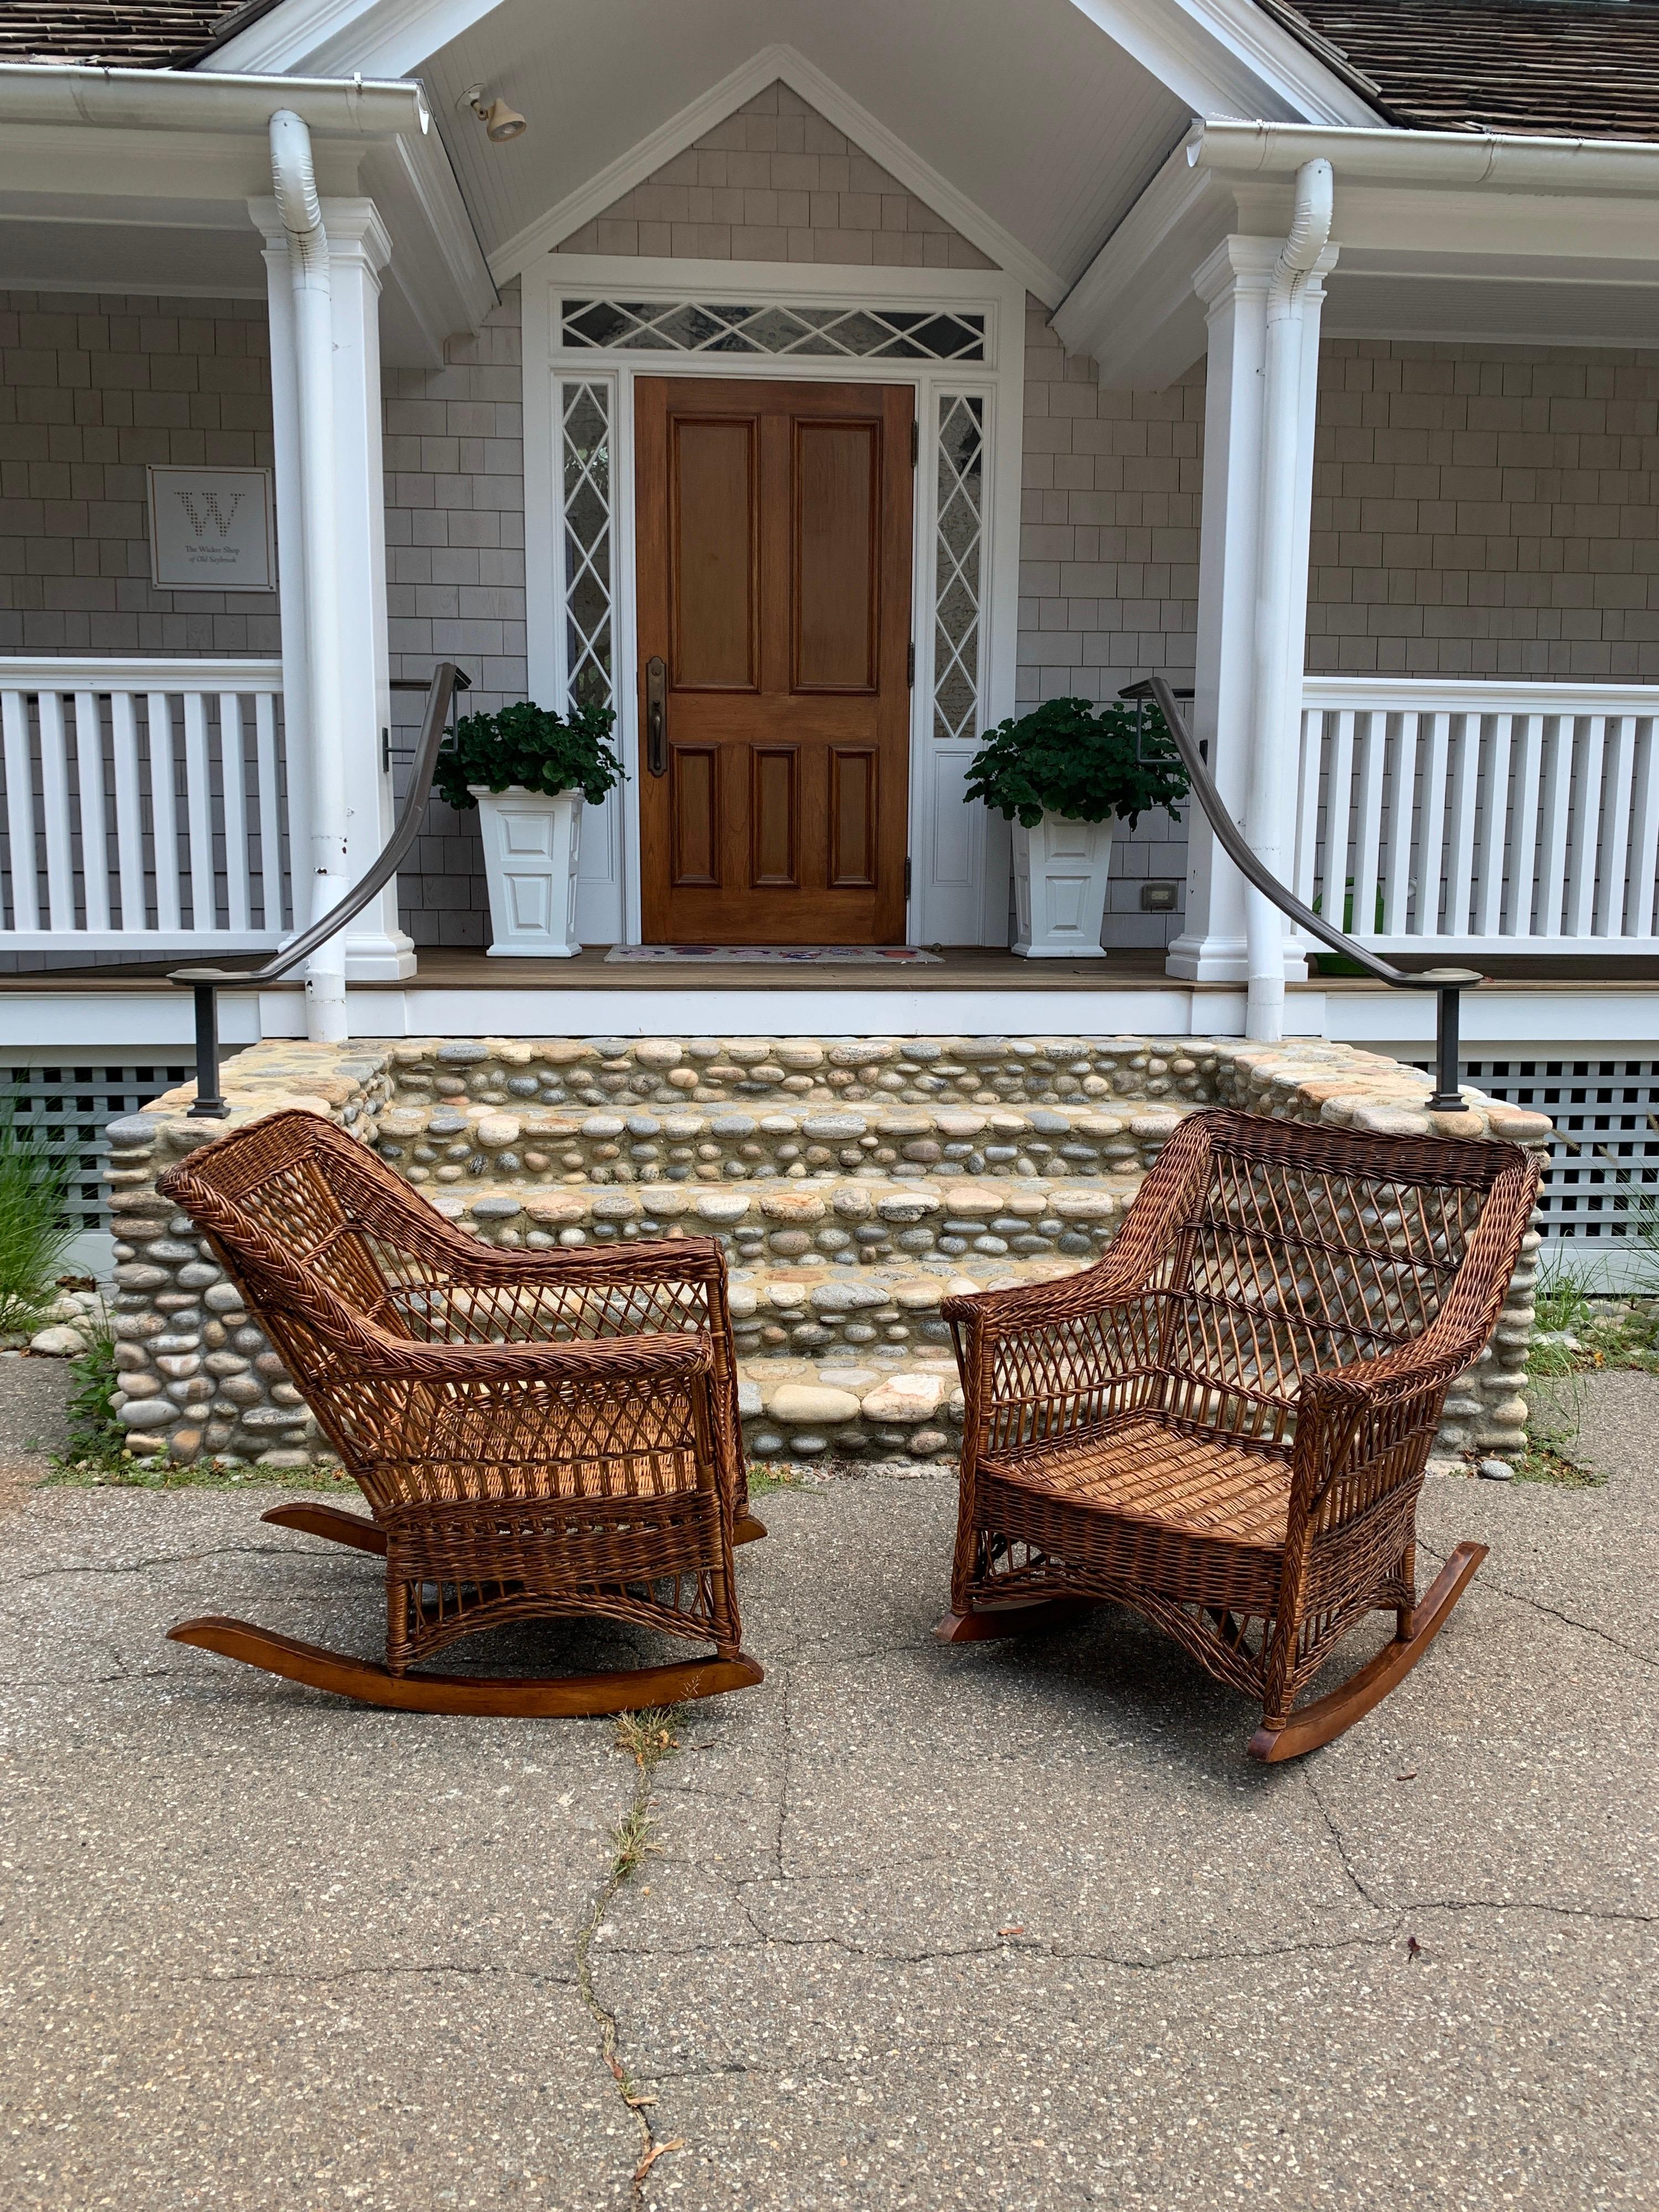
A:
{"x":537,"y":1434}
{"x":1225,"y":1423}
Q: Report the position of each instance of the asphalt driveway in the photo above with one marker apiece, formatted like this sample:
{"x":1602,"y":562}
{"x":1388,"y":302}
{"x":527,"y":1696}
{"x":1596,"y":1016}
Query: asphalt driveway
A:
{"x":999,"y":1926}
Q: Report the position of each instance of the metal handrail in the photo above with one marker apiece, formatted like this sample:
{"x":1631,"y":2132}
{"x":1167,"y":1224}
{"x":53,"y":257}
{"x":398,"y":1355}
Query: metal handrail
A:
{"x":1444,"y":982}
{"x":445,"y":680}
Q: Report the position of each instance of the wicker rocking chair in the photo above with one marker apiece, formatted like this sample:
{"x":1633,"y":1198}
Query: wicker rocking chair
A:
{"x":538,"y":1434}
{"x":1225,"y":1423}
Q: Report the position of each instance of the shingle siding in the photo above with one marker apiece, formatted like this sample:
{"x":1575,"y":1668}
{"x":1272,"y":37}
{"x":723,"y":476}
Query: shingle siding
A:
{"x":93,"y":390}
{"x":776,"y":182}
{"x":454,"y":469}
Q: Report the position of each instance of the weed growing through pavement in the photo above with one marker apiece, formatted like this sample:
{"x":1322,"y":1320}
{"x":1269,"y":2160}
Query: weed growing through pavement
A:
{"x":648,"y":1737}
{"x":764,"y":1479}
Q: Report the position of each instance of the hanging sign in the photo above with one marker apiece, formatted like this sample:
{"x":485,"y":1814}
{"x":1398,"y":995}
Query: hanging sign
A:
{"x":211,"y":530}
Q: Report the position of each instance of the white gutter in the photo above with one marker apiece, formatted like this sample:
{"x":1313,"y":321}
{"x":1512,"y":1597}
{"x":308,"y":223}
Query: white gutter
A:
{"x":195,"y":100}
{"x":1278,"y":648}
{"x":1503,"y":159}
{"x":295,"y":182}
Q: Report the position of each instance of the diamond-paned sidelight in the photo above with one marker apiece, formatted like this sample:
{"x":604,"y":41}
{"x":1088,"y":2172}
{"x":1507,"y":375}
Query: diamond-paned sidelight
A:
{"x":958,"y":557}
{"x":862,"y":333}
{"x":588,"y":601}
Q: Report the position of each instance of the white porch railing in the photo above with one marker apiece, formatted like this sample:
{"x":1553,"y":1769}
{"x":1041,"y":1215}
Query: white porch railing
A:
{"x":146,"y":805}
{"x":1480,"y":816}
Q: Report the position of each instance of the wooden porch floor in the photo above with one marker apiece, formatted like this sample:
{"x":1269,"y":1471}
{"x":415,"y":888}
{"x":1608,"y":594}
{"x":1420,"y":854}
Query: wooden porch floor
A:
{"x":964,"y":967}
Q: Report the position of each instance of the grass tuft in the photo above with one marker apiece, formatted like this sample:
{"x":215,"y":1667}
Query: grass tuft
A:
{"x":35,"y":1229}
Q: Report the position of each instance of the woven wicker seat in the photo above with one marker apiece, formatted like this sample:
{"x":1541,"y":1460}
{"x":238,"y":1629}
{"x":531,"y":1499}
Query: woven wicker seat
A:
{"x":539,"y":1435}
{"x":1225,"y":1423}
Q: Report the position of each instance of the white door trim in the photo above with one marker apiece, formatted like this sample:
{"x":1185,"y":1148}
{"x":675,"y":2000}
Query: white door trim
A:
{"x":958,"y":896}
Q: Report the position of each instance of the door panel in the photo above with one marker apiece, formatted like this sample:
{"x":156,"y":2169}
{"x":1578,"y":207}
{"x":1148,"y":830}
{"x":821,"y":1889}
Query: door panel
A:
{"x":837,"y":556}
{"x":853,"y":778}
{"x":694,"y":797}
{"x":773,"y":526}
{"x":713,"y":485}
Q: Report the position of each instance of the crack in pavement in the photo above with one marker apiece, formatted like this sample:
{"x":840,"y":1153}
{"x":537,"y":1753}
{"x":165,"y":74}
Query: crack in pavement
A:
{"x":370,"y":1973}
{"x":629,"y":1836}
{"x":181,"y":1560}
{"x":1490,"y":1582}
{"x":1336,"y":1837}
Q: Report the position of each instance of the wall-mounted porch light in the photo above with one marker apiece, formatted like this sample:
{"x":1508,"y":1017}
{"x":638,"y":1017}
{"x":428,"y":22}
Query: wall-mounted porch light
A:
{"x":502,"y":124}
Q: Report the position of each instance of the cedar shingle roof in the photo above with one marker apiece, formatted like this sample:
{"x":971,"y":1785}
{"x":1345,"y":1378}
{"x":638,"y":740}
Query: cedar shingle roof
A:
{"x":1577,"y":68}
{"x":1580,"y":68}
{"x":122,"y":33}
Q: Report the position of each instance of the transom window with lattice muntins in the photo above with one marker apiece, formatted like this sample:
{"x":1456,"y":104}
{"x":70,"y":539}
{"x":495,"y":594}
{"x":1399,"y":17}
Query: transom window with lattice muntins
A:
{"x":858,"y":333}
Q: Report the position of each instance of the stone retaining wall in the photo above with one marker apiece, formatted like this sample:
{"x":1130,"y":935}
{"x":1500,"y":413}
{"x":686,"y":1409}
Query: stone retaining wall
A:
{"x":853,"y":1183}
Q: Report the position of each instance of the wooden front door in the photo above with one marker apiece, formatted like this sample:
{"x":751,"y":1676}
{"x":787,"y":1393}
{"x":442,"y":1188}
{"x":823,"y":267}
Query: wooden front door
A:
{"x":775,"y":647}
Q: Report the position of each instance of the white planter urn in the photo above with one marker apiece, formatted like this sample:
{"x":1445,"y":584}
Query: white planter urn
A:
{"x":531,"y":843}
{"x":1061,"y":869}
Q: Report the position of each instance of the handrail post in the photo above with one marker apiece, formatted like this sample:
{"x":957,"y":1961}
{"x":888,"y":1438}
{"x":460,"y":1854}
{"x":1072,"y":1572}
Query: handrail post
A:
{"x":210,"y":1105}
{"x":1447,"y":1098}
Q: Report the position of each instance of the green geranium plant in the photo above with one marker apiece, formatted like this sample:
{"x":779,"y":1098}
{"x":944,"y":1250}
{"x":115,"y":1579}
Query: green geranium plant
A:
{"x":532,"y":748}
{"x":1072,"y":758}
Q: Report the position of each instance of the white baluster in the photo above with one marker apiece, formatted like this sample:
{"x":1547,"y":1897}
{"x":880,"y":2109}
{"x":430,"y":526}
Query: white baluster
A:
{"x":1402,"y":836}
{"x":20,"y":811}
{"x":1465,"y":789}
{"x":1339,"y":802}
{"x":1307,"y":822}
{"x":163,"y":809}
{"x":1368,"y":835}
{"x":128,"y":810}
{"x":1586,"y":827}
{"x":231,"y":773}
{"x":1619,"y":765}
{"x":271,"y":817}
{"x":1494,"y":855}
{"x":1523,"y":839}
{"x":198,"y":802}
{"x":54,"y":794}
{"x":1562,"y":730}
{"x":1431,"y":841}
{"x":95,"y":831}
{"x":1644,"y":875}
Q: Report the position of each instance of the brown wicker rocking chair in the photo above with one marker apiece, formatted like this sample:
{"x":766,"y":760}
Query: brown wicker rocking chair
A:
{"x":1225,"y":1423}
{"x":537,"y":1434}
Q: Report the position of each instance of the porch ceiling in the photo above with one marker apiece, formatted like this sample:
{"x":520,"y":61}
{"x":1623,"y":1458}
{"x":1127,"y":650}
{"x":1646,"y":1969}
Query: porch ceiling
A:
{"x":1031,"y":115}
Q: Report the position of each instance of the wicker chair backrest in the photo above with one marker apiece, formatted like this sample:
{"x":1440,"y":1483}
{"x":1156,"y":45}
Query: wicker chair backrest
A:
{"x":1303,"y":1248}
{"x":315,"y":1228}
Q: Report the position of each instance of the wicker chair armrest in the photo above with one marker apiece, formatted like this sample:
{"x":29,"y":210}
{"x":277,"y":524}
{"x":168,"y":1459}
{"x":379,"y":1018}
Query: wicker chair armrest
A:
{"x":998,"y":1315}
{"x":604,"y":1360}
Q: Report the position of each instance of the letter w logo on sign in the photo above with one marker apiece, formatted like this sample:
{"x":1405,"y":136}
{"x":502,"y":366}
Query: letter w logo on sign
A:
{"x":205,"y":513}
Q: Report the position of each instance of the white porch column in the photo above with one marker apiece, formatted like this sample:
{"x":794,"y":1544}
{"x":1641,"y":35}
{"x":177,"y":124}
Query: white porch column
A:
{"x":358,"y":249}
{"x":1234,"y":284}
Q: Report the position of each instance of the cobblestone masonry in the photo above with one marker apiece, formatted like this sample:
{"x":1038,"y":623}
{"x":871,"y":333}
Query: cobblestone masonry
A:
{"x":853,"y":1183}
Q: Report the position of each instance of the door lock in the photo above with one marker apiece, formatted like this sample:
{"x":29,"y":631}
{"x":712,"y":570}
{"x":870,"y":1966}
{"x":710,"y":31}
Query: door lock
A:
{"x":656,"y":709}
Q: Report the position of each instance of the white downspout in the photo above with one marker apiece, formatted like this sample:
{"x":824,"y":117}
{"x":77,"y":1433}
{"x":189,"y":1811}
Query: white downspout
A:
{"x":295,"y":182}
{"x":1278,"y":656}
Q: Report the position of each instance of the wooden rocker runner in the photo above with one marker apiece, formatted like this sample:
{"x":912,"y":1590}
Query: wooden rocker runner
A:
{"x":539,"y":1435}
{"x":1225,"y":1423}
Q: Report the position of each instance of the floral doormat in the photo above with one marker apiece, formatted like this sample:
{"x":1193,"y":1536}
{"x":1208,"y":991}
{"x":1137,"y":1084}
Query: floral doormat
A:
{"x":770,"y":956}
